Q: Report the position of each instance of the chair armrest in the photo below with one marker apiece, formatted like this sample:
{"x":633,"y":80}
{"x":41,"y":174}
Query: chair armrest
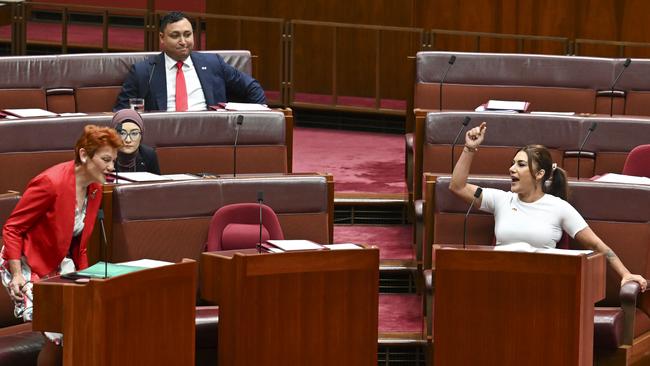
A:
{"x":409,"y":140}
{"x":427,"y":275}
{"x":628,"y":294}
{"x":418,"y":233}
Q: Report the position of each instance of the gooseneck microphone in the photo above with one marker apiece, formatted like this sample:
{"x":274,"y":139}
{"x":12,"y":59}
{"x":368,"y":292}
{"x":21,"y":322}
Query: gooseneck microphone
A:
{"x":627,"y":63}
{"x":582,"y":145}
{"x":153,"y":67}
{"x":453,"y":144}
{"x":240,"y":121}
{"x":451,"y":61}
{"x":100,"y":216}
{"x":260,"y":201}
{"x":477,"y":194}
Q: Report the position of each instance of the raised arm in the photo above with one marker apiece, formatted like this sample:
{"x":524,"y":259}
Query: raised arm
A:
{"x":587,"y":238}
{"x":458,"y":184}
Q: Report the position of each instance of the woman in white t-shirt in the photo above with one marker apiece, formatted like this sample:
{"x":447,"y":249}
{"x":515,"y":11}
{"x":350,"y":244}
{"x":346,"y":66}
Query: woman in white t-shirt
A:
{"x":532,"y":212}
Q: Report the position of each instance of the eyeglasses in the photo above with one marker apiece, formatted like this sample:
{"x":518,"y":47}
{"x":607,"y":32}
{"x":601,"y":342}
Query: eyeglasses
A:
{"x":134,"y":135}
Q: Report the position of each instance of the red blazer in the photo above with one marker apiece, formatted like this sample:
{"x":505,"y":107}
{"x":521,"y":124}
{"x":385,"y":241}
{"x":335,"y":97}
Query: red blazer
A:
{"x":40,"y":227}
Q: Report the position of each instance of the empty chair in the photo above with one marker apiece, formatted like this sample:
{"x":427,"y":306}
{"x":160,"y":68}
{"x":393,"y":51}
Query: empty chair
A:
{"x":237,"y":226}
{"x":638,"y":162}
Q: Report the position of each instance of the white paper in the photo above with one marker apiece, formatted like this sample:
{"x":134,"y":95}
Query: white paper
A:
{"x":140,"y":176}
{"x":527,"y":248}
{"x":71,"y":114}
{"x":516,"y":247}
{"x":620,"y":178}
{"x":245,"y":107}
{"x":289,"y":245}
{"x":545,"y":113}
{"x":342,"y":246}
{"x":146,"y":263}
{"x":506,"y":105}
{"x":180,"y":176}
{"x":563,"y":251}
{"x":31,"y":112}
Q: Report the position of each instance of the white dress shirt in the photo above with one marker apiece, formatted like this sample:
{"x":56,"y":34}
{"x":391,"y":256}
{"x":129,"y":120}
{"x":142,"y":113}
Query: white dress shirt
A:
{"x":195,"y":97}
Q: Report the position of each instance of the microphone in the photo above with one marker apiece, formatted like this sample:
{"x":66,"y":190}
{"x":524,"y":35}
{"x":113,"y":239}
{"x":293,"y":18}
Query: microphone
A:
{"x":477,"y":194}
{"x":240,"y":121}
{"x":260,"y":200}
{"x":591,"y":129}
{"x":627,"y":63}
{"x":100,"y":216}
{"x":149,"y":82}
{"x":451,"y":61}
{"x":453,"y":144}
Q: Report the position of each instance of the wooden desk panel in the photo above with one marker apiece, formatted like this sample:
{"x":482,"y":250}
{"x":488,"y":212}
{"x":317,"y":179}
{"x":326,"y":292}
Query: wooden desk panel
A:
{"x":299,"y":308}
{"x":507,"y":308}
{"x":142,"y":318}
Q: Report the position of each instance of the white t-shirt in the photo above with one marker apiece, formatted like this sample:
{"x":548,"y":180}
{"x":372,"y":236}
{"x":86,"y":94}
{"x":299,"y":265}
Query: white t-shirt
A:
{"x":539,"y":223}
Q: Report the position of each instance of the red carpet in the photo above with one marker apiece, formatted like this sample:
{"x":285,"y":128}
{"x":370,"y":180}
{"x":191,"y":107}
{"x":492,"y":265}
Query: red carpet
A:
{"x":394,"y":241}
{"x":360,"y":161}
{"x":400,"y":313}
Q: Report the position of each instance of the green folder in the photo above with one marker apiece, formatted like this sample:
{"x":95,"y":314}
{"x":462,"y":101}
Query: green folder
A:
{"x":98,"y":270}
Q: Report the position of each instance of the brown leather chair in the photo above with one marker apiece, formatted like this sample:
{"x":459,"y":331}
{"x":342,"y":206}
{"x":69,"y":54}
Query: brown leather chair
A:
{"x":19,"y":345}
{"x":78,"y":82}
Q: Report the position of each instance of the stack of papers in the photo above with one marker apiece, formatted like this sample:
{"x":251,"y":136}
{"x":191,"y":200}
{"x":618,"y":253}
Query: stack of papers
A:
{"x":504,"y":106}
{"x":291,"y":245}
{"x":139,"y":177}
{"x":527,"y":248}
{"x":344,"y":246}
{"x":620,"y":178}
{"x":29,"y":112}
{"x":241,"y":107}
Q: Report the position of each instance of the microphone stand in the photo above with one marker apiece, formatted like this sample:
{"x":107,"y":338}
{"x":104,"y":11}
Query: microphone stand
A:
{"x":591,"y":129}
{"x":100,"y":216}
{"x":627,"y":63}
{"x":453,"y":144}
{"x":477,"y":194}
{"x":240,"y":121}
{"x":451,"y":61}
{"x":260,"y":200}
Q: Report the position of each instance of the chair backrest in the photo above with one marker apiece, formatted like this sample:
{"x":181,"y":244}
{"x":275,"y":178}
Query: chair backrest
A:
{"x":549,"y":83}
{"x":170,"y":220}
{"x":638,"y":162}
{"x":185,"y":142}
{"x":7,"y":203}
{"x":78,"y":82}
{"x":237,"y":226}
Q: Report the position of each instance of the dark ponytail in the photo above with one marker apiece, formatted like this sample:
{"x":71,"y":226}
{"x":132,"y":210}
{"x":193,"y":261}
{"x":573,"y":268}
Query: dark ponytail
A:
{"x":540,"y":158}
{"x":558,"y":185}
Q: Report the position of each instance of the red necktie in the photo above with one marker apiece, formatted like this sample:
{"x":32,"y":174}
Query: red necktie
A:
{"x":181,"y":90}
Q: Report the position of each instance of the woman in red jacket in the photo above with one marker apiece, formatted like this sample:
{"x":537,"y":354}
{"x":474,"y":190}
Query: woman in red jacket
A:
{"x":47,"y":232}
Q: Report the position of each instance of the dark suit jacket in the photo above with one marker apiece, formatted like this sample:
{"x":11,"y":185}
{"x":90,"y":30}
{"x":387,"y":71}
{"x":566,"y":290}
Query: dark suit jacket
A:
{"x":220,"y":82}
{"x":40,"y":227}
{"x":146,"y":160}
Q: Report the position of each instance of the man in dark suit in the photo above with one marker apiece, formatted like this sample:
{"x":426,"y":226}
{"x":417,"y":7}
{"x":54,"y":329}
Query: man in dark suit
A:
{"x":178,"y":79}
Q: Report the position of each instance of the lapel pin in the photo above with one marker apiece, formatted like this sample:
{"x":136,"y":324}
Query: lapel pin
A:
{"x":203,"y":68}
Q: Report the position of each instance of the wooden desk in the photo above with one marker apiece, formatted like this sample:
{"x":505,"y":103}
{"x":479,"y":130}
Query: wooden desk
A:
{"x":297,"y":308}
{"x":142,"y":318}
{"x":506,"y":308}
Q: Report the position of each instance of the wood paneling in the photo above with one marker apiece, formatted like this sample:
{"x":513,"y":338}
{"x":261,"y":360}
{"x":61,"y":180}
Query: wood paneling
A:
{"x":356,"y":50}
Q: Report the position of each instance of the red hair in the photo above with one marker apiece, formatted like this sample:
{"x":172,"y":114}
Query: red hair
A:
{"x":95,"y":137}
